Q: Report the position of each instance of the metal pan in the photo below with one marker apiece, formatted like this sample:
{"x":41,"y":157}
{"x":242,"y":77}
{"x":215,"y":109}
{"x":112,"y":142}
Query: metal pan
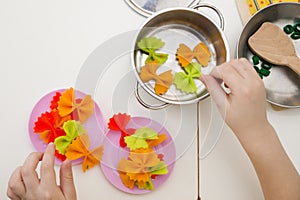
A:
{"x":282,"y":85}
{"x":175,"y":26}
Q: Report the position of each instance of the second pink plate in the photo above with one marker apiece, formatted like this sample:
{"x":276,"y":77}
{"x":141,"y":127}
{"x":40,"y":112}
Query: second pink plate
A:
{"x":113,"y":154}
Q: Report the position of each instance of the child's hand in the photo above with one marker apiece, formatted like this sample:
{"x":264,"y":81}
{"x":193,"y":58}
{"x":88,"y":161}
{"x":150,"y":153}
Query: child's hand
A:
{"x":244,"y":108}
{"x":24,"y":183}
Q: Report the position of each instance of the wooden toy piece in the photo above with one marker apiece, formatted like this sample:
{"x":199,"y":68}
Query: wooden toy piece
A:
{"x":273,"y":45}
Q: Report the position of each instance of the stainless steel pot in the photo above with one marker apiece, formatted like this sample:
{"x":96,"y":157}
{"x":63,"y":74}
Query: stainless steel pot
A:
{"x":283,"y":85}
{"x":175,"y":26}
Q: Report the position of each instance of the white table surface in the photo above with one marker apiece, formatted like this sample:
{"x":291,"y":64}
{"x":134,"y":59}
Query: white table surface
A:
{"x":43,"y":46}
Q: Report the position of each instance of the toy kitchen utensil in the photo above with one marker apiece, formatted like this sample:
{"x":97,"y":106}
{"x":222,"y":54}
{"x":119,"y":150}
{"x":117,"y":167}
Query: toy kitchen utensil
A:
{"x":273,"y":45}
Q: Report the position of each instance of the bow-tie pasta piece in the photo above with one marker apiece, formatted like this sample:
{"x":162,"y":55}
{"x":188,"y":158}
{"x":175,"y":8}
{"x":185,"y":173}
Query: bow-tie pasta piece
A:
{"x":163,"y":81}
{"x":184,"y":81}
{"x":139,"y":168}
{"x":118,"y":123}
{"x":72,"y":129}
{"x":79,"y":108}
{"x":80,"y":148}
{"x":185,"y":55}
{"x":149,"y":45}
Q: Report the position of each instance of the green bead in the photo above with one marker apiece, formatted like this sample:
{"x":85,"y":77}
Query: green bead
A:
{"x":255,"y":60}
{"x":296,"y":28}
{"x":288,"y":29}
{"x":267,"y":66}
{"x":264,"y":72}
{"x":295,"y":36}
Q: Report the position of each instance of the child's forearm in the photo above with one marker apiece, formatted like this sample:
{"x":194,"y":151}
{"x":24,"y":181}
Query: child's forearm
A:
{"x":278,"y":177}
{"x":244,"y":111}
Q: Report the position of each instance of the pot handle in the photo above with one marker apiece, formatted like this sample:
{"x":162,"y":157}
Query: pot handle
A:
{"x":218,"y":12}
{"x":146,"y":105}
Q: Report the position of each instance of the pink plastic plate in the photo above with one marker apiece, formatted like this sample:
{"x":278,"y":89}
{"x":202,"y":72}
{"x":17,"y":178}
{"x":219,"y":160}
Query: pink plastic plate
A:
{"x":113,"y":153}
{"x":94,"y":125}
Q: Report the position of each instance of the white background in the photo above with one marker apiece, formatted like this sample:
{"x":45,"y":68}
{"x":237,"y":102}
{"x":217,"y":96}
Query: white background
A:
{"x":43,"y":45}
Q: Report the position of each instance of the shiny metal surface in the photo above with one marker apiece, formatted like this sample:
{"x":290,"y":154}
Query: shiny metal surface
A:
{"x":147,"y":105}
{"x":175,"y":26}
{"x":282,"y":85}
{"x":148,"y":7}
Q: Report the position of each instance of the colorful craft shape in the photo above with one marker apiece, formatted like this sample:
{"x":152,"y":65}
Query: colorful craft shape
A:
{"x":139,"y":167}
{"x":80,"y":148}
{"x":118,"y":123}
{"x":81,"y":109}
{"x":184,"y":81}
{"x":149,"y":45}
{"x":72,"y":129}
{"x":54,"y":101}
{"x":163,"y":81}
{"x":139,"y":139}
{"x":49,"y":126}
{"x":185,"y":55}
